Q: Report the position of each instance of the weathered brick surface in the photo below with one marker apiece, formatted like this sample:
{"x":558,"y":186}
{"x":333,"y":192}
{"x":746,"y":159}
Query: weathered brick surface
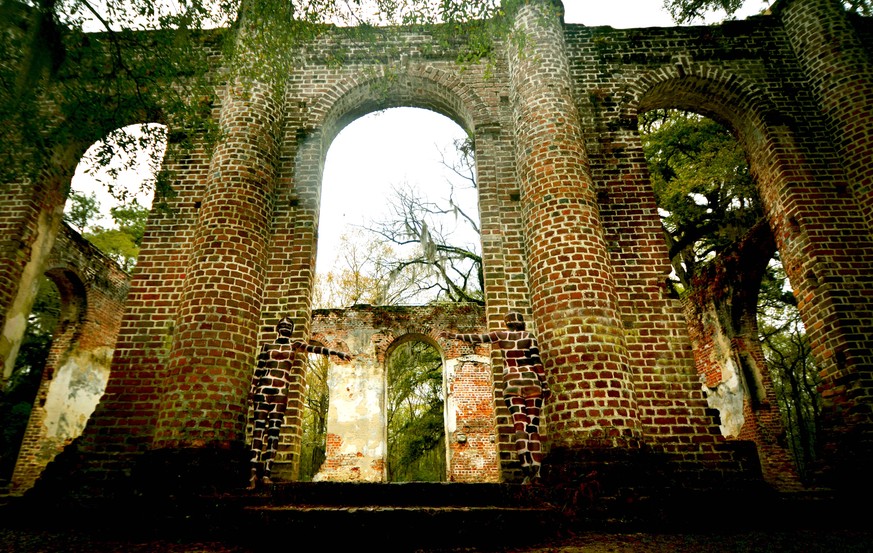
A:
{"x":573,"y":292}
{"x":92,"y":291}
{"x":370,"y":334}
{"x":570,"y":232}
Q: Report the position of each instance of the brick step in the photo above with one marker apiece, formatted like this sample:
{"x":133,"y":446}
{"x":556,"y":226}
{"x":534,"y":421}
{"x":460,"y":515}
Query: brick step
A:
{"x":408,"y":516}
{"x":418,"y":516}
{"x":418,"y":494}
{"x":396,"y":516}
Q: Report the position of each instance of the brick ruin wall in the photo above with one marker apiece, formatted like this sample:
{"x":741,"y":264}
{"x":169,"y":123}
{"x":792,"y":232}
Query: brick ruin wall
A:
{"x":570,"y":231}
{"x":93,"y":290}
{"x":356,"y":433}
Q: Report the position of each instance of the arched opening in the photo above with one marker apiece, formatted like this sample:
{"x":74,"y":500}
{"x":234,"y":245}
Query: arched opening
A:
{"x":398,"y":225}
{"x":20,"y":390}
{"x":316,"y":406}
{"x":728,"y":273}
{"x":108,"y":205}
{"x":113,"y":189}
{"x":415,"y":413}
{"x":42,"y":417}
{"x":399,"y":220}
{"x":434,"y":92}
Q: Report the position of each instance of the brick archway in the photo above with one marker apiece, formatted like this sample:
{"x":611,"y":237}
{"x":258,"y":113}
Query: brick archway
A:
{"x":355,"y":92}
{"x":357,"y":440}
{"x":571,"y":237}
{"x":777,"y":145}
{"x":92,"y":295}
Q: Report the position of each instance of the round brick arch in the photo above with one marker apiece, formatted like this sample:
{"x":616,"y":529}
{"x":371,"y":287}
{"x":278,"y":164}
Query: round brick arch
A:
{"x":760,"y":129}
{"x":425,"y":87}
{"x":73,"y":298}
{"x":320,"y":339}
{"x":359,"y":92}
{"x":809,"y":220}
{"x":383,"y":354}
{"x":355,"y":93}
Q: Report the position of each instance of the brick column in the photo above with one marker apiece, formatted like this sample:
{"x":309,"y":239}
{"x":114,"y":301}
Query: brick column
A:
{"x":30,"y":219}
{"x":840,"y":73}
{"x":213,"y":352}
{"x":572,"y":286}
{"x":833,"y":290}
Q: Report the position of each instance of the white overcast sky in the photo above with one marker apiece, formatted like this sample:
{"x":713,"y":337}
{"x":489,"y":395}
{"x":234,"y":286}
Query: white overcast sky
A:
{"x":385,"y":149}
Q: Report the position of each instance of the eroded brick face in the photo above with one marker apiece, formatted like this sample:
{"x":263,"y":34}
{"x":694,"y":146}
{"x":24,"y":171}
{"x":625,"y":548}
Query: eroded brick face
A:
{"x":92,"y":293}
{"x":570,"y":231}
{"x":356,"y":432}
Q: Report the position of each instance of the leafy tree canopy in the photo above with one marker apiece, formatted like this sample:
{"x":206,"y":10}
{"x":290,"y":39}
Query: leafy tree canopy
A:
{"x":686,"y":11}
{"x":316,"y":403}
{"x":82,"y":210}
{"x":416,"y":429}
{"x":75,"y":71}
{"x":120,"y":242}
{"x":705,"y":192}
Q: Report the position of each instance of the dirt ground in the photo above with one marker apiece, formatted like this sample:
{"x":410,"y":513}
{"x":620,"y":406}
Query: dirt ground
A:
{"x":808,"y":541}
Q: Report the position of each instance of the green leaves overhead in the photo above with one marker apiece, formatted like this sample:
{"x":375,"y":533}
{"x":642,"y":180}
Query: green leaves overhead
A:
{"x":687,"y":11}
{"x":72,"y":72}
{"x":702,"y":184}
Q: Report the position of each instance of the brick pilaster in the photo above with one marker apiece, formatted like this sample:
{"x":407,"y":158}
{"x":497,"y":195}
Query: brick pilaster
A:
{"x":211,"y":360}
{"x":572,"y":286}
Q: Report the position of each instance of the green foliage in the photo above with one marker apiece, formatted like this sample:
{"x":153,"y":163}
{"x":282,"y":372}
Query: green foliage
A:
{"x":703,"y":187}
{"x":64,"y":87}
{"x":131,"y":219}
{"x":131,"y":150}
{"x":73,"y":72}
{"x":117,"y":244}
{"x":793,"y":369}
{"x":19,"y":391}
{"x":686,"y":11}
{"x":316,"y":403}
{"x":82,"y":210}
{"x":121,"y":242}
{"x":416,"y":428}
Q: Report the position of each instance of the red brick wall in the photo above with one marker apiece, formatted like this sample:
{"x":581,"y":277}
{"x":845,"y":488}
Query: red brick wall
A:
{"x":371,"y":333}
{"x":728,"y":73}
{"x":93,"y":291}
{"x":570,"y":235}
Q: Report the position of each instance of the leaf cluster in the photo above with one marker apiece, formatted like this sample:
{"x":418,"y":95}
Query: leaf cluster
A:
{"x":686,"y":11}
{"x":363,"y":274}
{"x":120,"y":242}
{"x":66,"y":86}
{"x":702,"y":183}
{"x":416,"y":428}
